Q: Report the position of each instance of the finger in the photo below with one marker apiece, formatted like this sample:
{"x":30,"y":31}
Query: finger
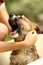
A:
{"x":33,"y":32}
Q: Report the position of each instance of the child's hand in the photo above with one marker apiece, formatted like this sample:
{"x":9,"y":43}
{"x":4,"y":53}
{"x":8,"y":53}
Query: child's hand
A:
{"x":31,"y":38}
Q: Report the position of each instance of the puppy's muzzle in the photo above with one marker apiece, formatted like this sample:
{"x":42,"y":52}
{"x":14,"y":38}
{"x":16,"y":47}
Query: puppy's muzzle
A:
{"x":15,"y":24}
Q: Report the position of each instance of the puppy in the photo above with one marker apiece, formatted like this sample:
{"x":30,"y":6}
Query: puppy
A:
{"x":20,"y":27}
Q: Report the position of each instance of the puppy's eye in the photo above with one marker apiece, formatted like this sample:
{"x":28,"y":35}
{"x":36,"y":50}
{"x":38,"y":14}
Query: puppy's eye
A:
{"x":15,"y":19}
{"x":19,"y":16}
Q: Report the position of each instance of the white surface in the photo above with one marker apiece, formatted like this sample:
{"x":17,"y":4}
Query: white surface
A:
{"x":5,"y":57}
{"x":39,"y":45}
{"x":37,"y":62}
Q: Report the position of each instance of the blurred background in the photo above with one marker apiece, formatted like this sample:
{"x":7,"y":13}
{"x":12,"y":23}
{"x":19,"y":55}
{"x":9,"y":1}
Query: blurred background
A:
{"x":32,"y":9}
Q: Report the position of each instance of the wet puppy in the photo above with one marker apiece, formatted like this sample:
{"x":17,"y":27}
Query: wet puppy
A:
{"x":20,"y":27}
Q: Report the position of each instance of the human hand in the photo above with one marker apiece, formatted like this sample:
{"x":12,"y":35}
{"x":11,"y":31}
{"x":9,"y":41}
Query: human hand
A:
{"x":30,"y":38}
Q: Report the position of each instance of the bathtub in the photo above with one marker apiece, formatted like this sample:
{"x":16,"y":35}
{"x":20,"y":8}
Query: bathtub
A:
{"x":5,"y":57}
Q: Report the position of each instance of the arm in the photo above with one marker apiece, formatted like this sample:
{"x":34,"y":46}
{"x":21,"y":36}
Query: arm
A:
{"x":9,"y":46}
{"x":29,"y":40}
{"x":4,"y":16}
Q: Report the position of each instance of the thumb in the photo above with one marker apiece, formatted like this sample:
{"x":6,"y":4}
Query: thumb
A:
{"x":31,"y":34}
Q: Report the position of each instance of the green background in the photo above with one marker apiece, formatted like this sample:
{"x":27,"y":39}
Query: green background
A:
{"x":30,"y":8}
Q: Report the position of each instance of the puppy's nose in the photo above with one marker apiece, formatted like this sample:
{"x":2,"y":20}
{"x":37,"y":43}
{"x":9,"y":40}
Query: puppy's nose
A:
{"x":15,"y":19}
{"x":14,"y":16}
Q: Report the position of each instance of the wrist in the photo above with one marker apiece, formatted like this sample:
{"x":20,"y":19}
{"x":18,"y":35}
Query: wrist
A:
{"x":25,"y":44}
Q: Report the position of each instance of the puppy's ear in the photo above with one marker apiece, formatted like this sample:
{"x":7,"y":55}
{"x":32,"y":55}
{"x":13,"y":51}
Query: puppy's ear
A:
{"x":35,"y":27}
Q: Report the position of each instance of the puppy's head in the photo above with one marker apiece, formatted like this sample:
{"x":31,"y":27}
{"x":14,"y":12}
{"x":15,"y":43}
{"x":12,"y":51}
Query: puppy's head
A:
{"x":21,"y":26}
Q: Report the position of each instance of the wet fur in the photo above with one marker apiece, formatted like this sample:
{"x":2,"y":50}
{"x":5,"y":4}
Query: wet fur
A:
{"x":23,"y":56}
